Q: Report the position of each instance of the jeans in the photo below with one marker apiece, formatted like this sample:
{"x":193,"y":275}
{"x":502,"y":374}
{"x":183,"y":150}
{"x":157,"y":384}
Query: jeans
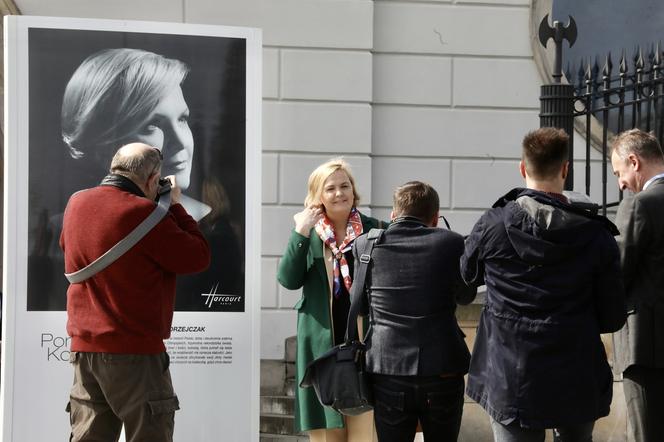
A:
{"x":515,"y":433}
{"x":401,"y":401}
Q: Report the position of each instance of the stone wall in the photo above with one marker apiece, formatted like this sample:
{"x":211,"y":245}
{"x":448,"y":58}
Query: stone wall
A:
{"x":440,"y":91}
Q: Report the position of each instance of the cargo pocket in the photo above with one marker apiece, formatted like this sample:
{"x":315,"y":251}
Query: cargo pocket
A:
{"x":164,"y":406}
{"x":162,"y":419}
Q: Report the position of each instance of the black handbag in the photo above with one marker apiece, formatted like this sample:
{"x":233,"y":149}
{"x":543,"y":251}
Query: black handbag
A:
{"x":338,"y":376}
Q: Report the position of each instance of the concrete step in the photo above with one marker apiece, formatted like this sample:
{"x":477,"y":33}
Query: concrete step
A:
{"x":291,"y":348}
{"x":282,"y":438}
{"x":284,"y":405}
{"x":276,"y":424}
{"x":273,"y":376}
{"x":289,"y":387}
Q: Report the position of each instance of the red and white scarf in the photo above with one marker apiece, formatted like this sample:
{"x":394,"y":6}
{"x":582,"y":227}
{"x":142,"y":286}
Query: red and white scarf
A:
{"x":325,"y":231}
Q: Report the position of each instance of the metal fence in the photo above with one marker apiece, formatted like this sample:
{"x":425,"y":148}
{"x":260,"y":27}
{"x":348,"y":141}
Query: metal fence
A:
{"x":604,"y":98}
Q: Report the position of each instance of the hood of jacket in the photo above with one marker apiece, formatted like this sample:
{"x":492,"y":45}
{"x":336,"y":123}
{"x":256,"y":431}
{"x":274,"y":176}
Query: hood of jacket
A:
{"x":544,"y":230}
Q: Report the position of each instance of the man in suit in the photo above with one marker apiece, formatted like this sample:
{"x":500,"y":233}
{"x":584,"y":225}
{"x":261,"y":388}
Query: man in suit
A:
{"x":638,"y":164}
{"x":416,"y":349}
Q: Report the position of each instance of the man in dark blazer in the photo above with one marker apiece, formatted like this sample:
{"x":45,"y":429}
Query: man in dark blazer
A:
{"x":639,"y":346}
{"x":416,"y":350}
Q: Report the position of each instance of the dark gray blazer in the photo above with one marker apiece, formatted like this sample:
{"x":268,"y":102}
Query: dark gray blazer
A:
{"x":414,"y":284}
{"x":640,"y":219}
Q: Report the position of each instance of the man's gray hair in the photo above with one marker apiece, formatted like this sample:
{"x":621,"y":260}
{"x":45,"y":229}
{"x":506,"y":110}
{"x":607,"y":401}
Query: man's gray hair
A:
{"x":644,"y":144}
{"x":140,"y":164}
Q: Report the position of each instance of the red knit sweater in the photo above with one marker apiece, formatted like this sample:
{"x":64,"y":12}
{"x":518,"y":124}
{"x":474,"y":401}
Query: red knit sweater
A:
{"x":128,"y":306}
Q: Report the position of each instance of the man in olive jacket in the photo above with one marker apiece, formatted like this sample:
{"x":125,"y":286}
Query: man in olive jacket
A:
{"x":553,"y":285}
{"x":639,"y":346}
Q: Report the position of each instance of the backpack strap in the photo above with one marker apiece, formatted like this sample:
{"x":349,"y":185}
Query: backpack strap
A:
{"x":357,"y":290}
{"x":126,"y":243}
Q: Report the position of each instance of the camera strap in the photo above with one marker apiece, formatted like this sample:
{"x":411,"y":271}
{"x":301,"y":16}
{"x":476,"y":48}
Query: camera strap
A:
{"x":125,"y":243}
{"x":357,"y":291}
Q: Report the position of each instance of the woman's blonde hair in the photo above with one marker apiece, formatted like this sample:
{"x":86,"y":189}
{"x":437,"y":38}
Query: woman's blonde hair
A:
{"x":322,"y":173}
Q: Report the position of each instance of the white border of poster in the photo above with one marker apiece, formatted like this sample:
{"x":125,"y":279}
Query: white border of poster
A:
{"x":220,"y":397}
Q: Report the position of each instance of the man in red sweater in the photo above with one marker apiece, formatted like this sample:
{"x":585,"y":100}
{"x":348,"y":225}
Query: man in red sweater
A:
{"x":118,"y":318}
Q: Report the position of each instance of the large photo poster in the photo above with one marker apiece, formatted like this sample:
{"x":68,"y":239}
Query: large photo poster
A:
{"x":75,"y":91}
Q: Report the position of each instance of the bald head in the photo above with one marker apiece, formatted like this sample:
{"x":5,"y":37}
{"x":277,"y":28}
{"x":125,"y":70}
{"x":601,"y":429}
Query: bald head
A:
{"x":136,"y":161}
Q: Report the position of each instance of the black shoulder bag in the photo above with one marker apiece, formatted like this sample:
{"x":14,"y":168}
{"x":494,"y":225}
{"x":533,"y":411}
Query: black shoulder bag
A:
{"x":338,"y":376}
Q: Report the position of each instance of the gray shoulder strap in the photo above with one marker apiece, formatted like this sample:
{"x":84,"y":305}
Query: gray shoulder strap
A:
{"x":124,"y":244}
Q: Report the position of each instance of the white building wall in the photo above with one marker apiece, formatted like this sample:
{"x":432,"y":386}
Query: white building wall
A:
{"x":440,"y":91}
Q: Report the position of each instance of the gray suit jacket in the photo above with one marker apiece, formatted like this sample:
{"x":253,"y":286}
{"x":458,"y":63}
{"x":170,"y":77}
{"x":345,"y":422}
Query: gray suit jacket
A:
{"x":640,"y":219}
{"x":413,"y":285}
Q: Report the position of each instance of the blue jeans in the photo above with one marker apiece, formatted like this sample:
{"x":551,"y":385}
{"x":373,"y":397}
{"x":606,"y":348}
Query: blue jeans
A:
{"x":401,"y":401}
{"x":515,"y":433}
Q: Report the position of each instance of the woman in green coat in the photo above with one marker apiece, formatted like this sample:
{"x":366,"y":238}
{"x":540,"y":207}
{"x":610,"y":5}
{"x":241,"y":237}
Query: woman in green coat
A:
{"x":319,"y":259}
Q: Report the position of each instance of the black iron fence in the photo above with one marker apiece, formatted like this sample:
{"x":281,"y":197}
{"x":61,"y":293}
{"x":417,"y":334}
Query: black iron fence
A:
{"x":603,"y":98}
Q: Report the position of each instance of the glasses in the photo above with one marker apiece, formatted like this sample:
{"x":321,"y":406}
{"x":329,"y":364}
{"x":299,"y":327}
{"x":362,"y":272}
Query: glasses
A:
{"x":445,"y":221}
{"x":161,"y":156}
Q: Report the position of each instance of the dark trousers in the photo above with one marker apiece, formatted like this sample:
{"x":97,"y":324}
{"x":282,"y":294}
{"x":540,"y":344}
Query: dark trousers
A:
{"x":644,"y":396}
{"x":515,"y":433}
{"x":401,"y":401}
{"x":114,"y":389}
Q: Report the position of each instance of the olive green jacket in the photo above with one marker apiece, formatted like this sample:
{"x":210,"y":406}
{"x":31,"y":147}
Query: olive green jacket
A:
{"x":304,"y":265}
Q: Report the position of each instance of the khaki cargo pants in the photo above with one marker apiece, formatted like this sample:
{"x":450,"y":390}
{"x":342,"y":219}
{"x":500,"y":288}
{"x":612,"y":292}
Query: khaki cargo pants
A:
{"x":114,"y":389}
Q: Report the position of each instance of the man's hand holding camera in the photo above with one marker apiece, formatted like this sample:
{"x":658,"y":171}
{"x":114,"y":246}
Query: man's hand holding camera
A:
{"x":176,"y":192}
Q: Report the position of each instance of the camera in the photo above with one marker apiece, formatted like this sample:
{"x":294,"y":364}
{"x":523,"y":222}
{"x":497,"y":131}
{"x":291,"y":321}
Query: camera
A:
{"x":164,"y":186}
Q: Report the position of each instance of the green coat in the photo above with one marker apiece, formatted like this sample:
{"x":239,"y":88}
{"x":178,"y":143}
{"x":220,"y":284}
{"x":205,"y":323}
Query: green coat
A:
{"x":303,"y":265}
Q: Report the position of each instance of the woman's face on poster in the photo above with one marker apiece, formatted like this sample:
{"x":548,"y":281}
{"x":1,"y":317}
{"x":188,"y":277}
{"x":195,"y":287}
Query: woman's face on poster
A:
{"x":167,"y":129}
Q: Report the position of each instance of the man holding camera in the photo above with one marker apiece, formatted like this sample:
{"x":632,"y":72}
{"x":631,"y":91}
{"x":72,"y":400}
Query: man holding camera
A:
{"x":119,"y":317}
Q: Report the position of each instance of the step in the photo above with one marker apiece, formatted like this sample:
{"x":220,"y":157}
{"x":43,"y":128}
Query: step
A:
{"x":284,"y":405}
{"x":276,"y":424}
{"x":289,"y":387}
{"x":291,"y":348}
{"x":273,"y":376}
{"x":264,"y":437}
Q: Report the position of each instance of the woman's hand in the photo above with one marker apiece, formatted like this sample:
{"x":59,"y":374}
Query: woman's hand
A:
{"x":306,"y":219}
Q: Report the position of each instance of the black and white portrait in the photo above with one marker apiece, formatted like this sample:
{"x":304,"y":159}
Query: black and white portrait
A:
{"x":91,"y":92}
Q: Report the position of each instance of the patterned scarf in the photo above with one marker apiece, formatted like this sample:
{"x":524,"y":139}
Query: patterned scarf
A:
{"x":325,"y":230}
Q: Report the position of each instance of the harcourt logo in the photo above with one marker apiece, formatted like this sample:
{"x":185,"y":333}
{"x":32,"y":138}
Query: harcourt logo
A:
{"x":223,"y":302}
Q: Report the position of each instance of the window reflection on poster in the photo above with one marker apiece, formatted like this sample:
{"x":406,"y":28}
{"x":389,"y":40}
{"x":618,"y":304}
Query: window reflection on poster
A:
{"x":91,"y":92}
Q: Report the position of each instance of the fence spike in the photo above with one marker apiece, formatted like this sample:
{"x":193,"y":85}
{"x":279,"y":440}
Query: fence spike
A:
{"x":623,"y":63}
{"x":589,"y":71}
{"x":639,"y":60}
{"x":581,"y":73}
{"x":608,"y":66}
{"x":657,"y":61}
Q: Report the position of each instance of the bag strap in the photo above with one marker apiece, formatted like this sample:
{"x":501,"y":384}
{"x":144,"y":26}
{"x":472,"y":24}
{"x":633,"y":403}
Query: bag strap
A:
{"x":125,"y":243}
{"x":359,"y":280}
